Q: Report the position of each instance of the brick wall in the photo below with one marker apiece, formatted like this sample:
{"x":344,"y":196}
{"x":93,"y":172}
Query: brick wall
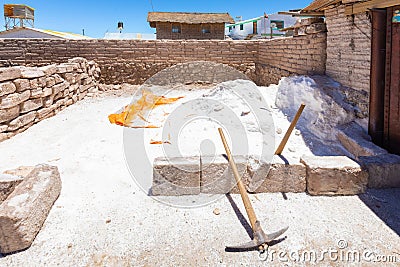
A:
{"x":190,"y":31}
{"x":30,"y":94}
{"x":348,"y":48}
{"x":130,"y":61}
{"x":305,"y":55}
{"x":134,"y":61}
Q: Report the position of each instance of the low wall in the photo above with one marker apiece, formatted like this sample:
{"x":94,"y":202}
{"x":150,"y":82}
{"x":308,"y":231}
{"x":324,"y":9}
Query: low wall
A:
{"x":31,"y":94}
{"x":304,"y":55}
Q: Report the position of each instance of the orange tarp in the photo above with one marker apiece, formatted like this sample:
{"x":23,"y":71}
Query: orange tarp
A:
{"x":148,"y":101}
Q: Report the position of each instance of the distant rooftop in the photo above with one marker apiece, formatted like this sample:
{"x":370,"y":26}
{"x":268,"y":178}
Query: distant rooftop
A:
{"x":188,"y":17}
{"x":64,"y":35}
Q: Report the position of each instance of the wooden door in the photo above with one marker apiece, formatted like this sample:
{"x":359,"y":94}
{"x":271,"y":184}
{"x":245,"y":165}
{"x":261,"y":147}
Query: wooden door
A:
{"x":392,"y":82}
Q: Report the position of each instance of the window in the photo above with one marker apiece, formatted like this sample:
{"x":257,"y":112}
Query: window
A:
{"x":176,"y":28}
{"x":279,"y":24}
{"x":205,"y":29}
{"x":241,"y":27}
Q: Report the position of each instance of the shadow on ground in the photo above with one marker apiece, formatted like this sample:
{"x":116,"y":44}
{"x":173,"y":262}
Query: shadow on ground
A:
{"x":385,"y":203}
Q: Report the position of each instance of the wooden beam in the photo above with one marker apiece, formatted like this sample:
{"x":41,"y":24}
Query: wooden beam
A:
{"x":303,"y":13}
{"x":365,"y":6}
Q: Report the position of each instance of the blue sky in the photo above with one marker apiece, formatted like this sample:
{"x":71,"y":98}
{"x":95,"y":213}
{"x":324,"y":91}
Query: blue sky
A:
{"x":98,"y":17}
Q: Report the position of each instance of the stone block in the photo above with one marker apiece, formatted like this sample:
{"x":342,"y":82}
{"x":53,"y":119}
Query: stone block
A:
{"x":281,"y":175}
{"x":49,"y":69}
{"x":14,"y":99}
{"x":57,"y":78}
{"x":22,"y":84}
{"x":25,"y":210}
{"x":31,"y":104}
{"x":7,"y":88}
{"x":60,"y":87}
{"x":217,"y":176}
{"x":334,"y":175}
{"x":21,"y":171}
{"x":9,"y":113}
{"x":50,"y":81}
{"x":7,"y":184}
{"x":176,"y":176}
{"x":31,"y":73}
{"x":383,"y":170}
{"x":10,"y":73}
{"x":34,"y":83}
{"x":21,"y":121}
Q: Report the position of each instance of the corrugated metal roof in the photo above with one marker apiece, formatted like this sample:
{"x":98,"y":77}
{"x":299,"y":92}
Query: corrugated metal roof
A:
{"x":190,"y":18}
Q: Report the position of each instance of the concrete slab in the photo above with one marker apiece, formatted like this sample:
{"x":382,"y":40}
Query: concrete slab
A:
{"x":334,"y":175}
{"x":383,"y":170}
{"x":176,"y":176}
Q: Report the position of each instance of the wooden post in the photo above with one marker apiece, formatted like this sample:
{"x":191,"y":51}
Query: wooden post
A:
{"x":289,"y":130}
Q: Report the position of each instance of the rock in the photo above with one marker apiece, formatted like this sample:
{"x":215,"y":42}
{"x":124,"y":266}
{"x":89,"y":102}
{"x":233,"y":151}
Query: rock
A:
{"x":31,"y":73}
{"x":282,"y":175}
{"x":23,"y":213}
{"x":383,"y":170}
{"x":21,"y":121}
{"x":216,"y":211}
{"x":279,"y":131}
{"x":21,"y":171}
{"x":297,"y":132}
{"x":7,"y":184}
{"x":22,"y":84}
{"x":9,"y":113}
{"x":176,"y":176}
{"x":10,"y":73}
{"x":217,"y":176}
{"x":334,"y":175}
{"x":291,"y":149}
{"x":7,"y":88}
{"x":49,"y":69}
{"x":31,"y":104}
{"x":50,"y":81}
{"x":13,"y":100}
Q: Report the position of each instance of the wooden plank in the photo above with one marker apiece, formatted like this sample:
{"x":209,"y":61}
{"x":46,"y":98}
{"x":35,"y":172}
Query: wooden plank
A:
{"x":387,"y":78}
{"x":364,"y":6}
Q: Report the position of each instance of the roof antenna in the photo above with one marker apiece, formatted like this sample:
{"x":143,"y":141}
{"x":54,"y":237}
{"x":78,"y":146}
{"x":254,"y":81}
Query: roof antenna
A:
{"x":151,"y":3}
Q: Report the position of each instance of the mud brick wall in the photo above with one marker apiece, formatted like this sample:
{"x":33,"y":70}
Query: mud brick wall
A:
{"x":31,"y":94}
{"x":190,"y":31}
{"x":349,"y":54}
{"x":304,"y":55}
{"x":348,"y":48}
{"x":130,"y":61}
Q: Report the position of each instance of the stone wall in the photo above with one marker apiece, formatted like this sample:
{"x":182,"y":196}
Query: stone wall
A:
{"x":134,"y":61}
{"x":304,"y":55}
{"x":348,"y":48}
{"x":31,"y":94}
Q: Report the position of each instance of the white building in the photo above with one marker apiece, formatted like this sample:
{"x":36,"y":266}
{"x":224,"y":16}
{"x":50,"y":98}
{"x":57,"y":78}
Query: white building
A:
{"x":260,"y":27}
{"x":25,"y":32}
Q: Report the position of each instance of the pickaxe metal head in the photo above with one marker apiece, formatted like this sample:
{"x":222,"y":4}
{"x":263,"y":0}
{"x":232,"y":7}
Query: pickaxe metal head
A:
{"x":259,"y":238}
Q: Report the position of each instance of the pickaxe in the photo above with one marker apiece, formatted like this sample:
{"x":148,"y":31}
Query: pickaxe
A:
{"x":259,"y":237}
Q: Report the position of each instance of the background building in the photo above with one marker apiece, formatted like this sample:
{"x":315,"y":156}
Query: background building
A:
{"x":180,"y":25}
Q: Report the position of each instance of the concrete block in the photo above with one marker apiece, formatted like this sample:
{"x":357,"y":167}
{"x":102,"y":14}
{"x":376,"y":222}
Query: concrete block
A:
{"x":9,"y":73}
{"x":334,"y":175}
{"x":7,"y":184}
{"x":217,"y":176}
{"x":25,"y":210}
{"x":281,"y":175}
{"x":176,"y":176}
{"x":383,"y":170}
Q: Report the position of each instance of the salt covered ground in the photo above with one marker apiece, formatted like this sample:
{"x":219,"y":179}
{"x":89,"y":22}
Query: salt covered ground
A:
{"x":103,"y":218}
